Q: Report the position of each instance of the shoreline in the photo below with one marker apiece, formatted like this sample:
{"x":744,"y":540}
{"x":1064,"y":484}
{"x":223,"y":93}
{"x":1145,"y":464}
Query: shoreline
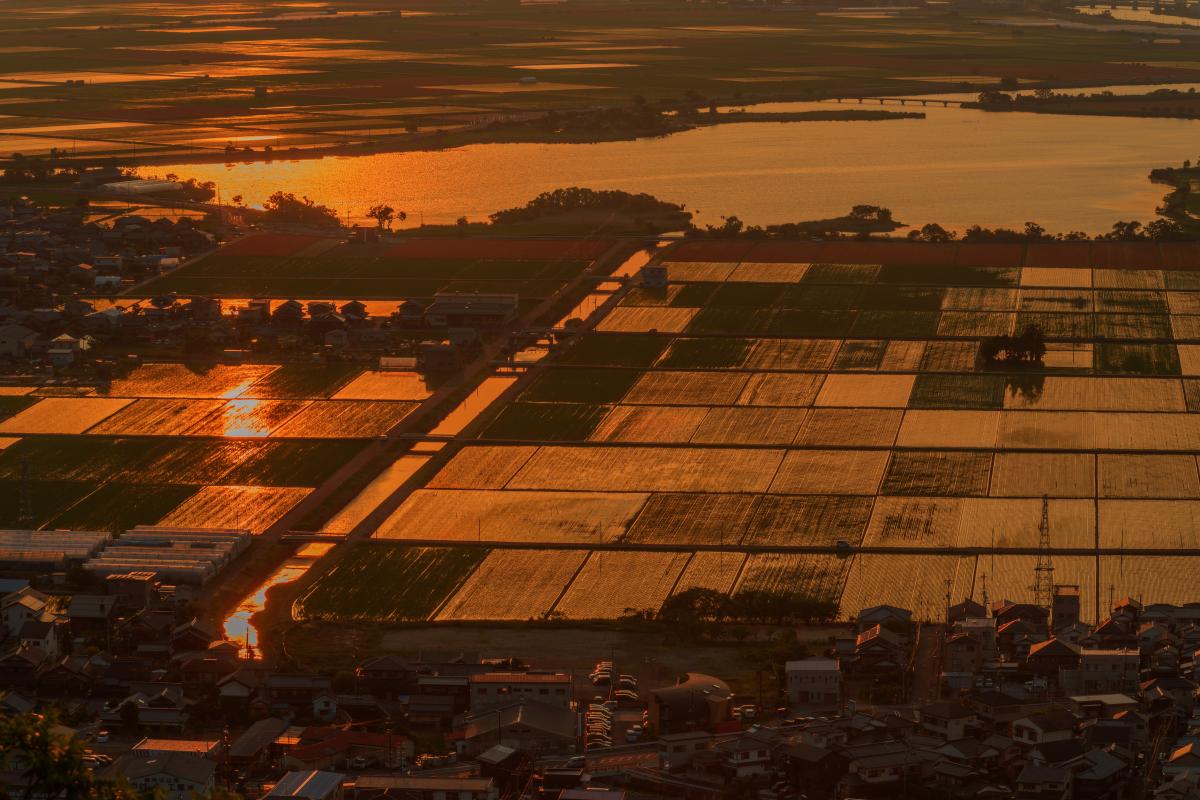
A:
{"x":525,"y":134}
{"x":466,"y":138}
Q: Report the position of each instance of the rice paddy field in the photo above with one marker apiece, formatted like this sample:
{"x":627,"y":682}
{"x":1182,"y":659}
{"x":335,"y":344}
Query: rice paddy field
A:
{"x":640,"y":462}
{"x":192,"y":445}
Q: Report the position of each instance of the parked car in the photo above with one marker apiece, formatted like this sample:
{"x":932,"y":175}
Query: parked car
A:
{"x":748,"y":711}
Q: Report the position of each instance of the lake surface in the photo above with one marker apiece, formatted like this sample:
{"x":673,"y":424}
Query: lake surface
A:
{"x":957,"y":167}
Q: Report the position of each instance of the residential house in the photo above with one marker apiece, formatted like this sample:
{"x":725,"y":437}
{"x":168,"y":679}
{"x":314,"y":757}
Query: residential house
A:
{"x":21,"y":666}
{"x":1099,"y":775}
{"x":531,"y":726}
{"x":1049,"y":659}
{"x":1101,"y":706}
{"x":1006,"y":611}
{"x":813,"y":681}
{"x":1051,"y":726}
{"x":193,"y":635}
{"x":239,"y":690}
{"x":416,"y":787}
{"x":748,"y":755}
{"x":890,"y":616}
{"x":159,"y":707}
{"x":1183,"y":760}
{"x":203,"y":748}
{"x":385,"y":676}
{"x":1017,"y":636}
{"x":91,"y":614}
{"x":18,"y":607}
{"x":178,"y":776}
{"x":1169,"y":693}
{"x":325,"y":747}
{"x":45,"y":634}
{"x":877,"y":768}
{"x":676,"y":750}
{"x":1104,"y":671}
{"x":133,"y":590}
{"x":950,"y":721}
{"x":70,"y":676}
{"x":308,"y":785}
{"x":294,"y":692}
{"x":962,"y":653}
{"x":16,"y":341}
{"x":1043,"y":783}
{"x":967,"y":609}
{"x":815,"y":768}
{"x":878,"y":649}
{"x":492,"y":689}
{"x":1064,"y":607}
{"x":253,"y":746}
{"x":471,"y":310}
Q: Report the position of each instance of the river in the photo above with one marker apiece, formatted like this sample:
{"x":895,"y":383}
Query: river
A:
{"x":957,"y":167}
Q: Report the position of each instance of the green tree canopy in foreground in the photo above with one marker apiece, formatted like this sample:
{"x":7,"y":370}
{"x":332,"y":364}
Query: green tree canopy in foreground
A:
{"x":52,"y":764}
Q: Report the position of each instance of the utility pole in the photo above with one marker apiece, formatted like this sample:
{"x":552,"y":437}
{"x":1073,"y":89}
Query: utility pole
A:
{"x":949,"y":598}
{"x":1043,"y":573}
{"x":25,"y":514}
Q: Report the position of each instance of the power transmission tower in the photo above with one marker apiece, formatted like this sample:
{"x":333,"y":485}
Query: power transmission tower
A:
{"x":1043,"y":573}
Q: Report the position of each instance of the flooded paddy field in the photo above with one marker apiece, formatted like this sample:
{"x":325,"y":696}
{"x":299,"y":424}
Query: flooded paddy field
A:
{"x":193,"y":445}
{"x":825,"y":396}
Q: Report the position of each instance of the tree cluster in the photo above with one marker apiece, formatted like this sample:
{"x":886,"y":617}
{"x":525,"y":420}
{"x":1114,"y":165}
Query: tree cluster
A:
{"x":285,"y":207}
{"x":384,"y":215}
{"x":1028,"y":348}
{"x":564,"y":201}
{"x":700,"y":612}
{"x":52,"y":764}
{"x":1132,"y":231}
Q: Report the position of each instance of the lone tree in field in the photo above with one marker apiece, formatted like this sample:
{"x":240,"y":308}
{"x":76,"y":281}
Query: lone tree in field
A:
{"x":1028,"y":348}
{"x":385,"y":215}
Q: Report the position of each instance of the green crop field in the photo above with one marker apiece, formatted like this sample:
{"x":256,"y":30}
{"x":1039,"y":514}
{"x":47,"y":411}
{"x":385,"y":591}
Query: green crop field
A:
{"x":387,"y":583}
{"x":571,"y":385}
{"x":546,"y":421}
{"x":617,"y":351}
{"x":121,"y":506}
{"x":47,"y":499}
{"x":13,"y":405}
{"x":706,"y":353}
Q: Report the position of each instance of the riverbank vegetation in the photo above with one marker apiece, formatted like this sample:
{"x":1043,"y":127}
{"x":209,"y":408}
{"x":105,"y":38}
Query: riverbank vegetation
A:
{"x":1182,"y":204}
{"x":862,"y":220}
{"x":1171,"y":103}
